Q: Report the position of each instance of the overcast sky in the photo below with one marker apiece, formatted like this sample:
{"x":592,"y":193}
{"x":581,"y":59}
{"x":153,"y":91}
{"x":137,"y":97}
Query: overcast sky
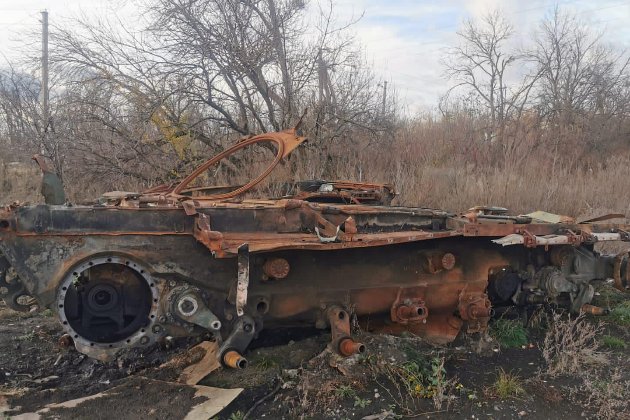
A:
{"x":402,"y":39}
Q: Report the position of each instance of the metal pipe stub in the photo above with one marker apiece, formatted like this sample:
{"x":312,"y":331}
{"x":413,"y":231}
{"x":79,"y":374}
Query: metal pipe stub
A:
{"x":594,"y":310}
{"x":234,"y":360}
{"x":349,"y":347}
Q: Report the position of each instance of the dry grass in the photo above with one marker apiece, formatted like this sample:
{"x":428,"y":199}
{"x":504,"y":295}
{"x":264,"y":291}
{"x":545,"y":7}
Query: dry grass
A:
{"x":571,"y":346}
{"x":433,"y":163}
{"x":608,"y":394}
{"x":19,"y":181}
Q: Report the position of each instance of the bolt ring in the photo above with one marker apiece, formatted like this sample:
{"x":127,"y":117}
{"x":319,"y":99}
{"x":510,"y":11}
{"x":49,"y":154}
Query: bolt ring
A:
{"x":107,"y":349}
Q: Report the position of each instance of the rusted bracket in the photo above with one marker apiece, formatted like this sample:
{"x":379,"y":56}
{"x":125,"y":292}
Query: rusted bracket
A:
{"x":529,"y":240}
{"x":349,"y":227}
{"x":235,"y":344}
{"x":341,"y":342}
{"x":476,"y":309}
{"x":213,"y":240}
{"x":190,"y":207}
{"x":189,"y":306}
{"x":242,"y":282}
{"x":574,"y":238}
{"x":408,"y":310}
{"x":324,"y":227}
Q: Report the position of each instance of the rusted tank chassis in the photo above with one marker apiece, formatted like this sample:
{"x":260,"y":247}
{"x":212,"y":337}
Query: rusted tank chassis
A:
{"x":137,"y":268}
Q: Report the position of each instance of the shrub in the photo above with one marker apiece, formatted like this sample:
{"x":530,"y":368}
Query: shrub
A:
{"x":571,"y":344}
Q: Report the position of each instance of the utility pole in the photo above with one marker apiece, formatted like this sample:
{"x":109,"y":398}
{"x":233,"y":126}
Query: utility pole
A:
{"x":47,"y":127}
{"x":44,"y":93}
{"x":384,"y":98}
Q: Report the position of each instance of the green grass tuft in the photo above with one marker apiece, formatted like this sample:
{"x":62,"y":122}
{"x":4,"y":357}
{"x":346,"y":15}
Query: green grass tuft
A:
{"x":613,"y":342}
{"x":621,"y":314}
{"x":345,"y":391}
{"x":507,"y":385}
{"x":361,"y":402}
{"x":509,"y":333}
{"x":608,"y":296}
{"x":237,"y":415}
{"x":266,"y":362}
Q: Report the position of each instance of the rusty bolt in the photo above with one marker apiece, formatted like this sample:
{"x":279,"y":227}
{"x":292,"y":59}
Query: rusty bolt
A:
{"x":65,"y":341}
{"x":448,"y":261}
{"x":144,"y":340}
{"x":276,"y":268}
{"x":438,"y":261}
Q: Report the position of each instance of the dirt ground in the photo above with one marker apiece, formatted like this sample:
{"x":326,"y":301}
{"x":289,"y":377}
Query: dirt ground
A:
{"x":291,"y":375}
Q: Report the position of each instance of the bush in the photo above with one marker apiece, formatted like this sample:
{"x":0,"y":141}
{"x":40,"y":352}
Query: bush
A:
{"x":571,"y":345}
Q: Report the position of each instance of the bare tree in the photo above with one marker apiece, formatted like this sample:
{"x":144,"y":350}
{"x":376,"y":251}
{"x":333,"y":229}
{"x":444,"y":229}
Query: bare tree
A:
{"x":205,"y":72}
{"x":480,"y":66}
{"x":578,"y":72}
{"x":583,"y":88}
{"x":19,"y":125}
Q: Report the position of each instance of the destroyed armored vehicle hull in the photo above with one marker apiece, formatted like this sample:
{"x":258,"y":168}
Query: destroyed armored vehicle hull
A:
{"x":138,"y":269}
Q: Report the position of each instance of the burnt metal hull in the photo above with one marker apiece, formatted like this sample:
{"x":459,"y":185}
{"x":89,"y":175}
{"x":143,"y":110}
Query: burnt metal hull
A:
{"x":432,"y":280}
{"x":137,"y":269}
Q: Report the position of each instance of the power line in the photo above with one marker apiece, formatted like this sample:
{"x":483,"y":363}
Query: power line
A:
{"x":44,"y":93}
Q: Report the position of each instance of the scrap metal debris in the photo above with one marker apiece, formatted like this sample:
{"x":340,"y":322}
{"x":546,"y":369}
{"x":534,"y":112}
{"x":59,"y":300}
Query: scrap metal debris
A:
{"x":188,"y":260}
{"x":208,"y":363}
{"x":201,"y":402}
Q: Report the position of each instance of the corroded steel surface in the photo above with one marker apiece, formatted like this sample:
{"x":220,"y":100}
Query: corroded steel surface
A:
{"x":134,"y":269}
